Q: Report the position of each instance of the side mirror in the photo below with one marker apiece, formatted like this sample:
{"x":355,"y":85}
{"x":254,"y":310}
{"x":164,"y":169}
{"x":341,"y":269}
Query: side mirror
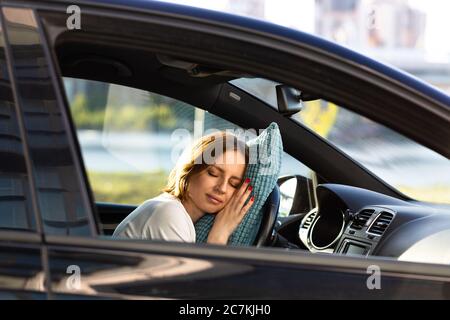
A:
{"x":296,"y":195}
{"x":287,"y":196}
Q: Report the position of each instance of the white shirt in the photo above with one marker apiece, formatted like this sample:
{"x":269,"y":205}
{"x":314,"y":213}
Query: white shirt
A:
{"x":161,"y":218}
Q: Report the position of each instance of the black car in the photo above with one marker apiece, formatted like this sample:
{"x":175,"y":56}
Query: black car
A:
{"x":346,"y":227}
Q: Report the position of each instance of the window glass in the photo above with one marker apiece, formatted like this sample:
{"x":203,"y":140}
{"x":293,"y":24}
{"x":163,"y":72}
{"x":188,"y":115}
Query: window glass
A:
{"x":411,"y":168}
{"x":63,"y":209}
{"x":128,"y":137}
{"x":15,"y":202}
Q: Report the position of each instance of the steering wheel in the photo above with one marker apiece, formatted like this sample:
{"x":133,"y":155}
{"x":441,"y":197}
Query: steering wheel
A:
{"x":270,"y":215}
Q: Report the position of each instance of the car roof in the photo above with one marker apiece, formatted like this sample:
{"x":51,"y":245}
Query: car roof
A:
{"x":278,"y":31}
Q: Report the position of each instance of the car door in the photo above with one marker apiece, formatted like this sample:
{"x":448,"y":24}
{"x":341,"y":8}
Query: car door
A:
{"x":85,"y":265}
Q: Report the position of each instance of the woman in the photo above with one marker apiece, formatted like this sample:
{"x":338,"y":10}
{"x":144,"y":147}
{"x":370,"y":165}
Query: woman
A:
{"x":208,"y":180}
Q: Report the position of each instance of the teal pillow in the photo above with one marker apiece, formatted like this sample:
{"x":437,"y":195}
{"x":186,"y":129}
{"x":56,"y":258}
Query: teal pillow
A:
{"x":263,"y":171}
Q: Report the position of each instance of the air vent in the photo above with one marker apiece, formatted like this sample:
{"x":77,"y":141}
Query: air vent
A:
{"x":309,"y":220}
{"x":361,"y":218}
{"x":381,"y":223}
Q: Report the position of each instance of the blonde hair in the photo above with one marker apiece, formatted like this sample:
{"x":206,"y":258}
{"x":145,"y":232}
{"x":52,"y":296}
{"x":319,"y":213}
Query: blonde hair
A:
{"x":194,"y":162}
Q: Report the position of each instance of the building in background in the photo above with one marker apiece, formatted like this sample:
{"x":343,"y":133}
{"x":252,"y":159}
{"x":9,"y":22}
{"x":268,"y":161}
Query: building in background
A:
{"x":251,"y":8}
{"x":391,"y":31}
{"x":408,"y":34}
{"x":376,"y":24}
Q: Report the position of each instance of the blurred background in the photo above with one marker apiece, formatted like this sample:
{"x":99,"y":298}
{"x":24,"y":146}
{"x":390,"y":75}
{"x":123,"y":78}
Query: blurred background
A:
{"x":127,"y":135}
{"x":408,"y":34}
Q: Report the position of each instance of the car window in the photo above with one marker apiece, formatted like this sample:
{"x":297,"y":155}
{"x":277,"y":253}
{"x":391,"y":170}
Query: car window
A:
{"x":411,"y":168}
{"x":60,"y":195}
{"x":131,"y":138}
{"x":15,"y":202}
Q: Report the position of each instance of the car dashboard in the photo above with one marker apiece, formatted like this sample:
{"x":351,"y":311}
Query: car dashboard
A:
{"x":356,"y":221}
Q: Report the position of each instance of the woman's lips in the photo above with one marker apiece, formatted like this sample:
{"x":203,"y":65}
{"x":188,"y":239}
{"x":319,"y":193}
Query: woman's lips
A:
{"x":213,"y":199}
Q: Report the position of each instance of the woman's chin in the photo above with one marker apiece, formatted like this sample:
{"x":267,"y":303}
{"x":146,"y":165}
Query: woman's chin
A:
{"x":212,"y":209}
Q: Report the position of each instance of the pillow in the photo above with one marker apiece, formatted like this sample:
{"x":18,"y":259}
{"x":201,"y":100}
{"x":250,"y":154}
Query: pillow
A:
{"x":263,"y":170}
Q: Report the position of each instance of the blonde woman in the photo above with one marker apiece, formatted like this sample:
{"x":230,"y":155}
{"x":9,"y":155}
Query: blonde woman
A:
{"x":209,"y":180}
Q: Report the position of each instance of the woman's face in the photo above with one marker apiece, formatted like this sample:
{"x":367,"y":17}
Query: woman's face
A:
{"x":211,"y":189}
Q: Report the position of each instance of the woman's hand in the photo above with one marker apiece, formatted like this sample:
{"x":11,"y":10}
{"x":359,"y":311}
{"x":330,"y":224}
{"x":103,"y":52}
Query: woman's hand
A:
{"x":231,"y":215}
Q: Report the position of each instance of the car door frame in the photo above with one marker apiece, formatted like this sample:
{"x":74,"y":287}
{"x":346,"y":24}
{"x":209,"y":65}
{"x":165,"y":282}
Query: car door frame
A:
{"x":29,"y":243}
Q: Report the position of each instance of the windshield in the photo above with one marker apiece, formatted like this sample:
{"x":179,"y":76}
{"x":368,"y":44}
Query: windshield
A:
{"x":411,"y":168}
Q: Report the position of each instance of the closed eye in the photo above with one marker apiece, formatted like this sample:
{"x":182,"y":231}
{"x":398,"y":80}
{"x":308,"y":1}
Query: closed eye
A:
{"x":235,"y":186}
{"x":212,"y":174}
{"x":236,"y":183}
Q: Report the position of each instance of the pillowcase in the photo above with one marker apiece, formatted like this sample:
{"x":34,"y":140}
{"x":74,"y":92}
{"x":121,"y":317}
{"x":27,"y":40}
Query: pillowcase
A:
{"x":263,"y":170}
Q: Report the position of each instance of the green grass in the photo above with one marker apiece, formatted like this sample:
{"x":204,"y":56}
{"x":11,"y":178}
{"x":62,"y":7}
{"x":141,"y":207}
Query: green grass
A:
{"x":127,"y":117}
{"x":125,"y":187}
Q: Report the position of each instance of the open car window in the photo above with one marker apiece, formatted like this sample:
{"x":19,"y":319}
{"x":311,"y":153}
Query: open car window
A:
{"x":131,"y":139}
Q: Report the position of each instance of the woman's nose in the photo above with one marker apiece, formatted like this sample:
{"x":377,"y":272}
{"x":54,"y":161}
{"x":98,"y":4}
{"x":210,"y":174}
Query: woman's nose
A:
{"x":222,"y":186}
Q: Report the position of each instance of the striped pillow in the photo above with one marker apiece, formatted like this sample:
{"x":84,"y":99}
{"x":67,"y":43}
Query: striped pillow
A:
{"x":263,"y":169}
